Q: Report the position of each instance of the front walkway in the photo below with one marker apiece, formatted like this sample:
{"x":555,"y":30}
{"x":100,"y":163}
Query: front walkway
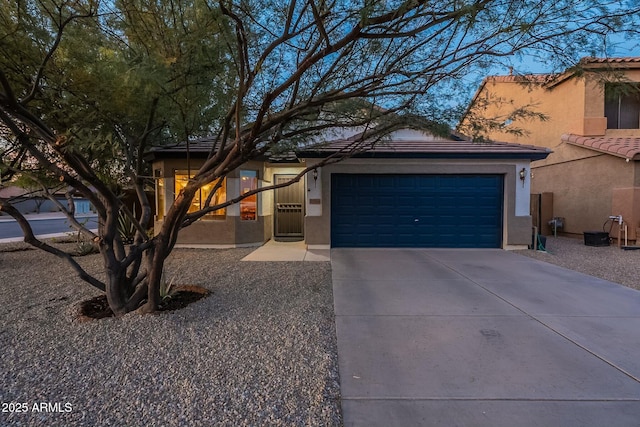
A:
{"x":287,"y":251}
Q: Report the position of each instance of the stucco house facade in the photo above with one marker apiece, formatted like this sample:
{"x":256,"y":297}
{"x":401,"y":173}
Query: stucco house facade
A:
{"x":593,"y":129}
{"x":412,"y":190}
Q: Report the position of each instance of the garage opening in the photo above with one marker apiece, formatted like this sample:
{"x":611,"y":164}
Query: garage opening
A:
{"x":428,"y":211}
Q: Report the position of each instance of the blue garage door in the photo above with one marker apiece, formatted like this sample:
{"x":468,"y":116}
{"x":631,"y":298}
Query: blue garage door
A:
{"x":428,"y":211}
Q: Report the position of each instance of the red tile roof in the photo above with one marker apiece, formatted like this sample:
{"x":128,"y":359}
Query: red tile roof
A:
{"x":632,"y":61}
{"x":524,"y":78}
{"x":626,"y":147}
{"x":544,"y":80}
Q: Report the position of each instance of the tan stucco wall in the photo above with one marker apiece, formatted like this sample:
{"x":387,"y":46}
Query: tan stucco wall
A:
{"x":626,"y":202}
{"x":228,"y":232}
{"x":593,"y":97}
{"x":563,"y":117}
{"x":516,"y":230}
{"x":583,"y":183}
{"x":575,"y":105}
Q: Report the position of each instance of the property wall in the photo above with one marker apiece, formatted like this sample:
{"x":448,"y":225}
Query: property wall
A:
{"x":626,"y":202}
{"x":516,"y":228}
{"x":583,"y":183}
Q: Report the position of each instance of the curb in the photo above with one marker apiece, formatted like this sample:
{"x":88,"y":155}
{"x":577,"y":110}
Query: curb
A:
{"x":42,"y":236}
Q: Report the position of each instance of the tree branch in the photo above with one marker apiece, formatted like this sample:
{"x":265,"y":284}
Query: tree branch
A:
{"x":31,"y":239}
{"x":50,"y":52}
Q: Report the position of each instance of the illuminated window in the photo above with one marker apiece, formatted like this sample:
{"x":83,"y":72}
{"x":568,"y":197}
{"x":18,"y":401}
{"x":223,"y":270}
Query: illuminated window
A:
{"x":249,"y":205}
{"x":160,"y":198}
{"x":201,"y":196}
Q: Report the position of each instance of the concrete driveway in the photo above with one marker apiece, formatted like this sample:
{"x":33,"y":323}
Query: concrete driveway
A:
{"x":443,"y":337}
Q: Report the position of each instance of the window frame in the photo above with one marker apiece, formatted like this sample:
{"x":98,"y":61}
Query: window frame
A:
{"x":201,"y":197}
{"x":620,"y":99}
{"x":254,"y":175}
{"x":161,"y":188}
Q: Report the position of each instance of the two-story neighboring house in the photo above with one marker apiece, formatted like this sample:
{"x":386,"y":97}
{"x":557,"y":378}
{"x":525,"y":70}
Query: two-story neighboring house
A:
{"x":593,"y":128}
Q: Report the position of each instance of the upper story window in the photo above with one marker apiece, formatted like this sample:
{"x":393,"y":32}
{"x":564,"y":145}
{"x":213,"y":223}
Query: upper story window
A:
{"x":622,"y":105}
{"x":201,"y":196}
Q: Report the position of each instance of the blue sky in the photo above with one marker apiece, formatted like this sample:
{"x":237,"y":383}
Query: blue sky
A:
{"x":617,"y":47}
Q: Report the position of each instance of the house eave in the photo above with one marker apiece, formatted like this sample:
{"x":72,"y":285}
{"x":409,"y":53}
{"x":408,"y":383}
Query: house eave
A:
{"x":448,"y":156}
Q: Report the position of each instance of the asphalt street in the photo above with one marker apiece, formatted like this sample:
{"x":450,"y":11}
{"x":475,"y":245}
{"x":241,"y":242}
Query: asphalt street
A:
{"x":43,"y":225}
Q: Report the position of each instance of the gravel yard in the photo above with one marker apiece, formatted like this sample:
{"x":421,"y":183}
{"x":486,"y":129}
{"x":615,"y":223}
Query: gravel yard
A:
{"x":261,"y":350}
{"x":606,"y":262}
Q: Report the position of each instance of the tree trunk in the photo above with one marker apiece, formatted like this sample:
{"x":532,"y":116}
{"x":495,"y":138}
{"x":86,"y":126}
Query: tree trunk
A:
{"x":114,"y":293}
{"x":154,"y":280}
{"x":163,"y":246}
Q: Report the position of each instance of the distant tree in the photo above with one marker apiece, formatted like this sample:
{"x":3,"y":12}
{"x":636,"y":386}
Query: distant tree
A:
{"x":87,"y":87}
{"x":38,"y":187}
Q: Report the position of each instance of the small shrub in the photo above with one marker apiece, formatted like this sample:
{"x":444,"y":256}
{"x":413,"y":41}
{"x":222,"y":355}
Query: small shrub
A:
{"x":85,"y":248}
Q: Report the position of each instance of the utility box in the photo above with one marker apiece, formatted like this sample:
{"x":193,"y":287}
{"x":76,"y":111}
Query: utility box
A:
{"x":596,"y":238}
{"x":541,"y":210}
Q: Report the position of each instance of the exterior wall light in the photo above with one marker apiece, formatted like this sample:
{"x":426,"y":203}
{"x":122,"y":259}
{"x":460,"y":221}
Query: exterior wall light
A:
{"x":523,"y":175}
{"x":315,"y":177}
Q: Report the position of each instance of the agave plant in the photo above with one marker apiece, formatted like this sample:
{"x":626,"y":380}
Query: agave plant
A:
{"x":126,"y":227}
{"x":166,"y":291}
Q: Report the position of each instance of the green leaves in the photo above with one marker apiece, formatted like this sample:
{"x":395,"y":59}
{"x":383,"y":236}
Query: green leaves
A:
{"x":116,"y":81}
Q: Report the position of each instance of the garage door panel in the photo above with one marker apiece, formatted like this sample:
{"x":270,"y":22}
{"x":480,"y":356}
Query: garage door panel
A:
{"x":416,"y":210}
{"x":386,"y":200}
